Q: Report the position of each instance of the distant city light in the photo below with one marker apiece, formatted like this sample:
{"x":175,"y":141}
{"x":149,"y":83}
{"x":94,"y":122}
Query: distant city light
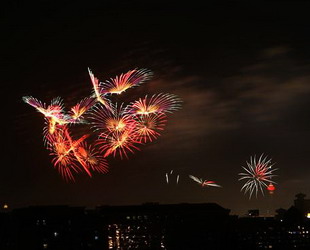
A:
{"x":5,"y":206}
{"x":308,"y":215}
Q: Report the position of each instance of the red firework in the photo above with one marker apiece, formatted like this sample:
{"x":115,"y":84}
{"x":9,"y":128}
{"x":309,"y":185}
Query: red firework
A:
{"x":92,"y":158}
{"x":64,"y":160}
{"x":118,"y":143}
{"x":147,"y":127}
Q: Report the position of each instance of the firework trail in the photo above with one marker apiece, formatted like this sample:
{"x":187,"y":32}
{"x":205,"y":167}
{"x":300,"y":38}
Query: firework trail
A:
{"x":204,"y":183}
{"x":120,"y":129}
{"x":258,"y":175}
{"x":97,"y":93}
{"x":177,"y":178}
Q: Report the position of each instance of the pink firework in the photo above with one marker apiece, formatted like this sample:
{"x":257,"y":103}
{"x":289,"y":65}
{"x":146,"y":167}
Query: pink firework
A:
{"x":159,"y":103}
{"x":53,"y":111}
{"x":81,"y":108}
{"x":121,"y":83}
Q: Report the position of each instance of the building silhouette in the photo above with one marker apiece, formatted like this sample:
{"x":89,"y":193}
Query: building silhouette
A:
{"x":153,"y":226}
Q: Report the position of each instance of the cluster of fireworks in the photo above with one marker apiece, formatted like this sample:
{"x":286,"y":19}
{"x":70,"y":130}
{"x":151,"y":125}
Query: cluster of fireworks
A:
{"x":120,"y":128}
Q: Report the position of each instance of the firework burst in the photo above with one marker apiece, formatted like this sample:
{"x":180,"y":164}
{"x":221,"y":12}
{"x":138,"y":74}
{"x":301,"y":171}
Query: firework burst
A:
{"x":125,"y":81}
{"x":258,"y":174}
{"x":81,"y":109}
{"x":118,"y":143}
{"x":92,"y":158}
{"x":63,"y":157}
{"x":147,"y":127}
{"x":114,"y":120}
{"x":158,"y":103}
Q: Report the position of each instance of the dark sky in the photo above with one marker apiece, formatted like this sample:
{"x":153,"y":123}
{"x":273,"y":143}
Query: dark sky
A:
{"x":242,"y":71}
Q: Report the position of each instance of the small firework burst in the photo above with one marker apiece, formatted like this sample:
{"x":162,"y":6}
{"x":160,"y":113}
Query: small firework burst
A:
{"x":258,"y":175}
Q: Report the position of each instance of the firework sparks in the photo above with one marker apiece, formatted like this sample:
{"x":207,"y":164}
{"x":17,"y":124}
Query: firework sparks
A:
{"x":158,"y":103}
{"x":168,"y":176}
{"x":204,"y":183}
{"x":114,"y":120}
{"x":81,"y":108}
{"x":121,"y":128}
{"x":92,"y":158}
{"x":55,"y":111}
{"x":64,"y":160}
{"x":97,"y":93}
{"x":118,"y":143}
{"x":125,"y":81}
{"x":149,"y":126}
{"x":258,"y":175}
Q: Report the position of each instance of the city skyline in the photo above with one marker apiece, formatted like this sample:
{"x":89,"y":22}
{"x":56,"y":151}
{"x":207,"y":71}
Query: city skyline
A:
{"x":241,"y":70}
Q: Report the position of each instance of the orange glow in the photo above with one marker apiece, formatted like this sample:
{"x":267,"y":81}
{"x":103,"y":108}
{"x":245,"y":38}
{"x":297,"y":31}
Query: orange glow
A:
{"x":114,"y":125}
{"x":144,"y":109}
{"x":77,"y":112}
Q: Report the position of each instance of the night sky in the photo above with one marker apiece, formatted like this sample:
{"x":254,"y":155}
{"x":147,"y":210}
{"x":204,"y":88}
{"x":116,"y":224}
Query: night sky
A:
{"x":242,"y":71}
